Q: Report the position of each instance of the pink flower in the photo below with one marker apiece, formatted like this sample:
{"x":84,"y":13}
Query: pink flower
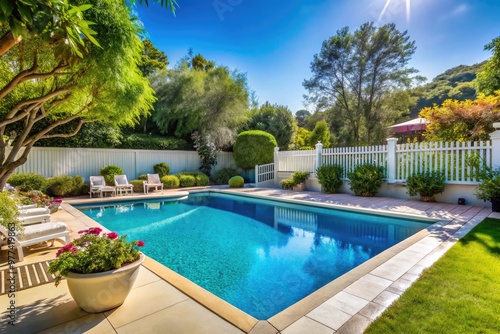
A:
{"x":112,"y":235}
{"x":82,"y":231}
{"x":57,"y":200}
{"x":139,"y":243}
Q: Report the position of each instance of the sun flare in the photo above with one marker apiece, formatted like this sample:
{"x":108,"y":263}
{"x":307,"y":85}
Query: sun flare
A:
{"x":386,"y":6}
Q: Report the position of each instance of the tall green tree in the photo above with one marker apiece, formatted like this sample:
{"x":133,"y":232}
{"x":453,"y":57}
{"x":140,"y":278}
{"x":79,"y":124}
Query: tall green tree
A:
{"x":277,"y":120}
{"x":489,"y":79}
{"x":152,"y":59}
{"x":46,"y":89}
{"x":301,"y":116}
{"x":353,"y":75}
{"x":205,"y":104}
{"x":321,"y":134}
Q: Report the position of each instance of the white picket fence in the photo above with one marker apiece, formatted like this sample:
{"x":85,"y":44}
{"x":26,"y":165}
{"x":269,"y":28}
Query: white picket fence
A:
{"x":53,"y":161}
{"x":399,"y":161}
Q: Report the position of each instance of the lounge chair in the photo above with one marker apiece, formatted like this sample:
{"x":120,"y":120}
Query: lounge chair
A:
{"x":97,"y":184}
{"x":152,"y":182}
{"x":28,"y":212}
{"x":122,"y":185}
{"x":35,"y":234}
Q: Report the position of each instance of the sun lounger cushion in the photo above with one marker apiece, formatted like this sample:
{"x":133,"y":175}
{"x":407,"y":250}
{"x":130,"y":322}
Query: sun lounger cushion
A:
{"x":41,"y":230}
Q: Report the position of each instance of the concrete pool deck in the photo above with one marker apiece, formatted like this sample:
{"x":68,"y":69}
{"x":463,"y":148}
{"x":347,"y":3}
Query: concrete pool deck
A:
{"x":346,"y":305}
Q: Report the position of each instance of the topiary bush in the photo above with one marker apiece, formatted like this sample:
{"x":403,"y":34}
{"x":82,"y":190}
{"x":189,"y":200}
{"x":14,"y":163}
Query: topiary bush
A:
{"x":426,"y":184}
{"x":64,"y":185}
{"x":252,"y":148}
{"x":138,"y":185}
{"x":236,"y":182}
{"x":161,"y":169}
{"x":28,"y":182}
{"x":170,"y":181}
{"x":330,"y":177}
{"x":200,"y":179}
{"x":223,"y":175}
{"x":366,"y":180}
{"x":109,"y":173}
{"x":186,"y":180}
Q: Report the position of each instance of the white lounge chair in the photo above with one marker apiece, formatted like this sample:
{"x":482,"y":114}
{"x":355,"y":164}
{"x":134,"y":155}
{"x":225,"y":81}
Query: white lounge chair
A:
{"x":28,"y":212}
{"x":35,"y":234}
{"x":152,"y":182}
{"x":122,"y":185}
{"x":97,"y":183}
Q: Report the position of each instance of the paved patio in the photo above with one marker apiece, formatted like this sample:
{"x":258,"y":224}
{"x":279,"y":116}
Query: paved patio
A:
{"x":346,"y":305}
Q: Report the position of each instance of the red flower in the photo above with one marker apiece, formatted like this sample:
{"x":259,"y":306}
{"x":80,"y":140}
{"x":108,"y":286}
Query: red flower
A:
{"x":82,"y":231}
{"x":66,"y":248}
{"x":57,"y":200}
{"x":139,"y":243}
{"x":112,"y":235}
{"x":94,"y":230}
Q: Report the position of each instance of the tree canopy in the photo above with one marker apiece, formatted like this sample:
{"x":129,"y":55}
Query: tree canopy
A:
{"x":275,"y":119}
{"x":45,"y":89}
{"x":489,"y":78}
{"x":354,"y":74}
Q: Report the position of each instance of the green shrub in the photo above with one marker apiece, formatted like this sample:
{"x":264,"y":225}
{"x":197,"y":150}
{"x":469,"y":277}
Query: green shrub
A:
{"x":161,"y":169}
{"x":236,"y":182}
{"x":330,"y":177}
{"x":426,"y":184}
{"x":85,"y":189}
{"x":64,"y":185}
{"x":223,"y":175}
{"x":252,"y":148}
{"x":28,"y":181}
{"x":149,"y":142}
{"x":366,"y":180}
{"x":186,"y":180}
{"x":170,"y":181}
{"x":287,"y":184}
{"x":300,"y":177}
{"x":143,"y":177}
{"x":8,"y":211}
{"x":138,"y":185}
{"x":202,"y":180}
{"x":109,"y":173}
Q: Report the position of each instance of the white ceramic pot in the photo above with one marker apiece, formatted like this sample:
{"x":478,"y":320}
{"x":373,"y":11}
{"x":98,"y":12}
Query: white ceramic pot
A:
{"x":100,"y":292}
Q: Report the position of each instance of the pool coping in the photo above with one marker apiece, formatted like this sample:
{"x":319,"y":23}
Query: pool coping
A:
{"x":290,"y":315}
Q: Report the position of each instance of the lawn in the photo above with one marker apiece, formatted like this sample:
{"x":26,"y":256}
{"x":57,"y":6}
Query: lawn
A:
{"x":460,"y":293}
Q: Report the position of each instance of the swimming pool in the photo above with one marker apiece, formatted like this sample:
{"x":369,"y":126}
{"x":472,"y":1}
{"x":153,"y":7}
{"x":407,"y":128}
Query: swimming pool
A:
{"x":259,"y":255}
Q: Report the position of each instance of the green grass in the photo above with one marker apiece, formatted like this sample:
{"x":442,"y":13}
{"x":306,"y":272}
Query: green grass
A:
{"x":460,"y":293}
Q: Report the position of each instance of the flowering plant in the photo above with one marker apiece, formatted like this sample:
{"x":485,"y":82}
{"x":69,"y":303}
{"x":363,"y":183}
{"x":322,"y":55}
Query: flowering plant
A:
{"x":94,"y":252}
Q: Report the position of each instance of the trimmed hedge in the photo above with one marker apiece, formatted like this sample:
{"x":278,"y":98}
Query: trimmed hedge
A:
{"x":200,"y":179}
{"x":28,"y":181}
{"x":236,"y":182}
{"x":366,"y":180}
{"x":109,"y":173}
{"x":252,"y":148}
{"x":170,"y":181}
{"x":147,"y":142}
{"x":186,"y":180}
{"x":138,"y":185}
{"x":222,"y":176}
{"x":64,"y":186}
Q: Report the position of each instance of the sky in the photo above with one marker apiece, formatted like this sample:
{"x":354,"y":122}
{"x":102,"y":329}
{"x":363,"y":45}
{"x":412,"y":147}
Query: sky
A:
{"x":274,"y":42}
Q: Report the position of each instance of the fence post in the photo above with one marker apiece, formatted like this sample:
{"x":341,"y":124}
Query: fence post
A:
{"x":391,"y":160}
{"x":495,"y":146}
{"x":319,"y":159}
{"x":276,"y":163}
{"x":256,"y":175}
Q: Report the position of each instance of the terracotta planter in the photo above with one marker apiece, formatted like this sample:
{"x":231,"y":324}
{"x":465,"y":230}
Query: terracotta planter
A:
{"x":300,"y":187}
{"x":100,"y":292}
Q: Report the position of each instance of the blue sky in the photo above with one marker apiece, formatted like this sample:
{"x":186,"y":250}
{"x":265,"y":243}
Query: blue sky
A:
{"x":273,"y":42}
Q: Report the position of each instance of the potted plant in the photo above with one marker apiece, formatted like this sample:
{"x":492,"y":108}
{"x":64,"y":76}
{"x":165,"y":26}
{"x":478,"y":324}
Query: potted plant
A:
{"x":488,"y":188}
{"x":299,"y":180}
{"x":100,"y":268}
{"x":426,"y":184}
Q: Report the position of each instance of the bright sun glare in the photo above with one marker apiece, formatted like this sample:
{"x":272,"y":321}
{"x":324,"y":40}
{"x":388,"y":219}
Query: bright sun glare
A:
{"x":388,"y":2}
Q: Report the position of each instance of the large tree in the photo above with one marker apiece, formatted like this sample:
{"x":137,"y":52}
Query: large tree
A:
{"x":277,"y":120}
{"x":489,"y":78}
{"x":47,"y":85}
{"x":205,"y":103}
{"x":355,"y":73}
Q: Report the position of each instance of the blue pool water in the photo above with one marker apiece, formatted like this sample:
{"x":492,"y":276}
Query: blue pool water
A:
{"x":261,"y":256}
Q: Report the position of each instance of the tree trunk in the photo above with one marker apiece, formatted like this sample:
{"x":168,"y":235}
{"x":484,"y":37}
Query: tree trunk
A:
{"x":7,"y":42}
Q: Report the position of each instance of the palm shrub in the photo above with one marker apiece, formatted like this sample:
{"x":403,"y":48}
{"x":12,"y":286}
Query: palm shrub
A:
{"x":330,"y":177}
{"x":426,"y":184}
{"x":161,"y":169}
{"x":28,"y":182}
{"x":366,"y":180}
{"x":109,"y":173}
{"x":170,"y":181}
{"x":223,"y":175}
